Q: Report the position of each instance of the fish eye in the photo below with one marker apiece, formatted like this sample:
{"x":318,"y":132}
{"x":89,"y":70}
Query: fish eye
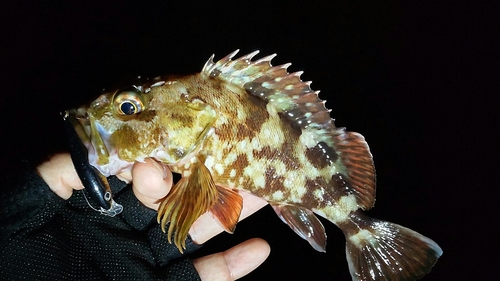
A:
{"x":128,"y":108}
{"x":128,"y":103}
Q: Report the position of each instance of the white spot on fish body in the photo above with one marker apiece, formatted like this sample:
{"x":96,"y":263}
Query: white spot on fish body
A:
{"x":295,"y":183}
{"x":318,"y":193}
{"x":221,"y":119}
{"x":340,"y":210}
{"x":219,"y":168}
{"x":259,"y":181}
{"x":232,"y":174}
{"x":230,"y":158}
{"x":242,"y":115}
{"x":288,"y":183}
{"x":256,"y":144}
{"x":242,"y":145}
{"x":271,"y":134}
{"x":209,"y":162}
{"x":219,"y":155}
{"x":308,"y":138}
{"x":278,"y":195}
{"x":256,"y":172}
{"x":301,"y":190}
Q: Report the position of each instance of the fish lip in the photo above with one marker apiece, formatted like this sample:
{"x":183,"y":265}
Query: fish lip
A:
{"x":79,"y":118}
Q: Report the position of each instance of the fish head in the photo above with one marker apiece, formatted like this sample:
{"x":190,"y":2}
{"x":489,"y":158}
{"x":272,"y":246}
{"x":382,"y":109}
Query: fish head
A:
{"x":157,"y":120}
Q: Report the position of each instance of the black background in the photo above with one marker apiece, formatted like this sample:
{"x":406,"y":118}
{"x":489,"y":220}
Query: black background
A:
{"x":419,"y":81}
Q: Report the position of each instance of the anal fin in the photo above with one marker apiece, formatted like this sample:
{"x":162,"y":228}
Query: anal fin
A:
{"x":227,"y":209}
{"x":304,"y":223}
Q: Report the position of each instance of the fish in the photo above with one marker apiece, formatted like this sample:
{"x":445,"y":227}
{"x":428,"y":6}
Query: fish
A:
{"x":244,"y":124}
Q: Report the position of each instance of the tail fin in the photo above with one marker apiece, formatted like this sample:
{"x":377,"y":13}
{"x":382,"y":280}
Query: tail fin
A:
{"x":379,"y":250}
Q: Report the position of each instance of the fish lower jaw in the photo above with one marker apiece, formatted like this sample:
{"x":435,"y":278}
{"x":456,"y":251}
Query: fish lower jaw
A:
{"x":114,"y":166}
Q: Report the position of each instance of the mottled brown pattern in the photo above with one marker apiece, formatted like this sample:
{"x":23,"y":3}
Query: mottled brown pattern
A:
{"x":333,"y":190}
{"x":340,"y":182}
{"x":240,"y":163}
{"x":327,"y":170}
{"x":313,"y":185}
{"x":321,"y":155}
{"x":146,"y":116}
{"x":274,"y":183}
{"x":225,"y":132}
{"x":246,"y":130}
{"x":256,"y":118}
{"x":290,"y":161}
{"x":265,"y":153}
{"x":124,"y":138}
{"x":158,"y":132}
{"x":181,"y":116}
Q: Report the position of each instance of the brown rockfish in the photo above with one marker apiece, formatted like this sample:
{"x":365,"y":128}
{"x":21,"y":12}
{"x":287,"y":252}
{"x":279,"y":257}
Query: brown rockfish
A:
{"x":247,"y":125}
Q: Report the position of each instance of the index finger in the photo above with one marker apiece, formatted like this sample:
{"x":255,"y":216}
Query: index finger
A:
{"x":206,"y":226}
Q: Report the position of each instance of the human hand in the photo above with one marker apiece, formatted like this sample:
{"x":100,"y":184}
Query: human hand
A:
{"x":152,"y":182}
{"x":60,"y":175}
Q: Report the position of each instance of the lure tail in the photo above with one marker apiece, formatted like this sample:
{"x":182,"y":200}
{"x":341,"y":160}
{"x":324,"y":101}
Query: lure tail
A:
{"x":380,"y":250}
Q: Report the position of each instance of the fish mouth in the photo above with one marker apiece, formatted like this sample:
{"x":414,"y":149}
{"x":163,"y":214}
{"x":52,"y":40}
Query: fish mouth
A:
{"x":101,"y":153}
{"x":90,"y":136}
{"x":96,"y":185}
{"x":79,"y":119}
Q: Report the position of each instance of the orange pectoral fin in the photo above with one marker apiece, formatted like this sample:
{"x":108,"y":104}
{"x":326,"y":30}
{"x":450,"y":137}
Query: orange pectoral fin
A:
{"x":190,"y":198}
{"x":227,"y":209}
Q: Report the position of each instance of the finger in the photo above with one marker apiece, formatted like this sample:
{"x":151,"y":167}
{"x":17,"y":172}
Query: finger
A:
{"x":233,"y":263}
{"x":60,"y":175}
{"x":206,"y":226}
{"x":151,"y":182}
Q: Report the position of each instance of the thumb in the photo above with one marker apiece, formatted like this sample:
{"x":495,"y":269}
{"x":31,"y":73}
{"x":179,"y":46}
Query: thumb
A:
{"x":151,"y":182}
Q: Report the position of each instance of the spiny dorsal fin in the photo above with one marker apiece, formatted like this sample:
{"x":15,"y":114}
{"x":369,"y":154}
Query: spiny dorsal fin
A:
{"x":285,"y":91}
{"x":301,"y":106}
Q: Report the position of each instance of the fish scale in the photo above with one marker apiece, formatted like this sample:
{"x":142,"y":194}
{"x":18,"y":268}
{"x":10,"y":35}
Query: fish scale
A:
{"x":247,"y":125}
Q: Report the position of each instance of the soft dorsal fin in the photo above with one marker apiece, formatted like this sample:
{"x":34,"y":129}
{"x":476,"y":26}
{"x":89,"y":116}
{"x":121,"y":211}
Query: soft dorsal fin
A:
{"x":302,"y":107}
{"x":358,"y":162}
